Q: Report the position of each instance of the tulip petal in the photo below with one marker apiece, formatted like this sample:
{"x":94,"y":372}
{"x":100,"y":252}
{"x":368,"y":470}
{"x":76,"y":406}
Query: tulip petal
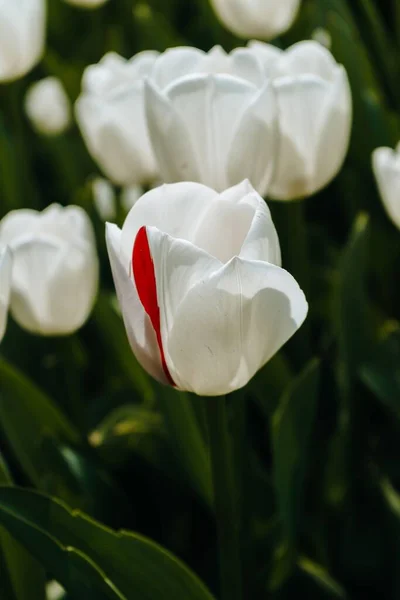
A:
{"x":301,"y":102}
{"x":169,"y":137}
{"x":231,"y":323}
{"x":305,"y":57}
{"x":254,"y":144}
{"x":386,"y":167}
{"x":175,"y":209}
{"x":5,"y":287}
{"x":140,"y":331}
{"x":175,"y":63}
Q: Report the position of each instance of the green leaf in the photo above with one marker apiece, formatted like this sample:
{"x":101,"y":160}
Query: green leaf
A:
{"x":321,"y":578}
{"x":116,"y":343}
{"x":291,"y":429}
{"x":381,"y":374}
{"x":186,"y":438}
{"x":139,"y":568}
{"x":21,"y":578}
{"x":27,"y":416}
{"x":70,"y":566}
{"x":353,"y":317}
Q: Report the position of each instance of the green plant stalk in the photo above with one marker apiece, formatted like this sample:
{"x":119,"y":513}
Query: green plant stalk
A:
{"x":225,"y":499}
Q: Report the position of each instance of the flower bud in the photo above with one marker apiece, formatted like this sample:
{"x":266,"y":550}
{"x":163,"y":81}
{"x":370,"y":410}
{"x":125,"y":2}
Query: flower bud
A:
{"x":47,"y":106}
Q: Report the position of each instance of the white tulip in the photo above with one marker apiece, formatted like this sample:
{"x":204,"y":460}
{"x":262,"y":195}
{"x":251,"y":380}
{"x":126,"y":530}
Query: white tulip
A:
{"x":263,"y":19}
{"x":204,"y":301}
{"x":104,"y":198}
{"x":212,"y":118}
{"x":5,"y":286}
{"x":386,"y":167}
{"x":110,"y":113}
{"x":48,"y":107}
{"x":22,"y":36}
{"x":86,"y":3}
{"x":54,"y":591}
{"x":55,"y":268}
{"x":129,"y":196}
{"x":314,"y":115}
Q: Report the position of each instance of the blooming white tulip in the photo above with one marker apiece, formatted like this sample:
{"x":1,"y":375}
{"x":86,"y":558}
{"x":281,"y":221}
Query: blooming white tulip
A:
{"x":212,"y":117}
{"x":86,"y":3}
{"x":55,"y":268}
{"x":386,"y":167}
{"x":110,"y":113}
{"x":204,"y":301}
{"x":5,"y":283}
{"x":314,"y":115}
{"x":47,"y":106}
{"x":263,"y":19}
{"x":22,"y":36}
{"x":104,"y":198}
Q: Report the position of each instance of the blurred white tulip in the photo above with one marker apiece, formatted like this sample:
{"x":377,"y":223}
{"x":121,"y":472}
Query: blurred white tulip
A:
{"x":104,"y":198}
{"x":262,"y":19}
{"x":22,"y":36}
{"x":54,"y":591}
{"x":110,"y":114}
{"x":322,"y":36}
{"x":5,"y":287}
{"x":212,"y":117}
{"x":130,"y":195}
{"x":314,"y":114}
{"x":86,"y":3}
{"x":386,"y":167}
{"x":48,"y":107}
{"x":204,"y":301}
{"x":55,"y":268}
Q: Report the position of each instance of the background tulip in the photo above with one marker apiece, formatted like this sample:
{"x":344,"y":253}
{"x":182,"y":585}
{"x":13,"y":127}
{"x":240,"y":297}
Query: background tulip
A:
{"x":104,"y":198}
{"x":110,"y":114}
{"x":314,"y":115}
{"x":204,"y":303}
{"x":55,"y":268}
{"x":22,"y":36}
{"x":47,"y":106}
{"x":5,"y":283}
{"x":212,"y":118}
{"x":263,"y":19}
{"x":386,"y":167}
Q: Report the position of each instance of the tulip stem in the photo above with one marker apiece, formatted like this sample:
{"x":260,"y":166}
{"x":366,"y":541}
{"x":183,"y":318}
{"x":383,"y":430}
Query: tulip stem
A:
{"x":225,"y":499}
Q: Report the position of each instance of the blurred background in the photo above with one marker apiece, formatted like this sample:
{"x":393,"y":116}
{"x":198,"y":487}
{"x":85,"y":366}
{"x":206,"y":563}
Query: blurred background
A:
{"x":321,"y":476}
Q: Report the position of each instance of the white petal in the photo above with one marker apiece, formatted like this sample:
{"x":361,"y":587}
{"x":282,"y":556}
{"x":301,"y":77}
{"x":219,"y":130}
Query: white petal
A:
{"x":179,"y":266}
{"x":254,"y":145}
{"x":170,"y":138}
{"x":175,"y":209}
{"x":306,"y":57}
{"x":266,"y":53}
{"x":5,"y":287}
{"x":231,"y":323}
{"x":196,"y":134}
{"x":16,"y":223}
{"x":139,"y":329}
{"x":175,"y":63}
{"x":301,"y":102}
{"x":334,"y":130}
{"x":386,"y":167}
{"x":262,"y":19}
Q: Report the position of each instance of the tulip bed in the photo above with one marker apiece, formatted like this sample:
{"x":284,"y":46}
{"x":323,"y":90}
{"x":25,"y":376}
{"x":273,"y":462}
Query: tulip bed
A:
{"x":244,"y":470}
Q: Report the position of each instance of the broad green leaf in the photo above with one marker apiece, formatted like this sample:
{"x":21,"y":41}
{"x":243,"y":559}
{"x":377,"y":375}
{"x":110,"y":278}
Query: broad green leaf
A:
{"x":291,"y":429}
{"x":381,"y":374}
{"x":116,"y":343}
{"x":27,"y":416}
{"x":353,"y":318}
{"x":138,"y":567}
{"x":355,"y":339}
{"x":186,"y":438}
{"x":21,"y":577}
{"x":70,"y":566}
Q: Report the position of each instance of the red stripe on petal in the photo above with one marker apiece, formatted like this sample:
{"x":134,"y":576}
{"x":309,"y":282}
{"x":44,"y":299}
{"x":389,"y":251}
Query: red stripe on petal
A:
{"x":145,"y":280}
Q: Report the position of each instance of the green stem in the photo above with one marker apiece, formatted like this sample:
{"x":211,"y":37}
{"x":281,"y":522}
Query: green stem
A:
{"x":225,"y":499}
